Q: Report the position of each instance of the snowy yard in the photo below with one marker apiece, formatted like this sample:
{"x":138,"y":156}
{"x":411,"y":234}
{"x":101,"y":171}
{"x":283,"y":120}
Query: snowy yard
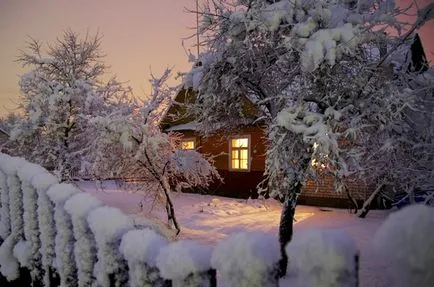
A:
{"x":208,"y":219}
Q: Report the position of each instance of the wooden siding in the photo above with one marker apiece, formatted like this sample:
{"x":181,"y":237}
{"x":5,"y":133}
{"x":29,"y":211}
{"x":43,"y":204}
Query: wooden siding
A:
{"x":242,"y":184}
{"x":218,"y":145}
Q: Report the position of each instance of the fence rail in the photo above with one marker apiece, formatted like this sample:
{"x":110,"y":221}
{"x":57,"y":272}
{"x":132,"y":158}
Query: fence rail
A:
{"x":51,"y":234}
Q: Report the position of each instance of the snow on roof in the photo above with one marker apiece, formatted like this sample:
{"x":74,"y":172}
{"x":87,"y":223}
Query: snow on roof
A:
{"x":191,"y":126}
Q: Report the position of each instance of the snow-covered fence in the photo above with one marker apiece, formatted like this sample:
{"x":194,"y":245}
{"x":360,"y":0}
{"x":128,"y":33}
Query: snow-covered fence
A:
{"x":58,"y":235}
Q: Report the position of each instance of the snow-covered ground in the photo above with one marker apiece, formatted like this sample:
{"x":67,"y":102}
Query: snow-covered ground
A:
{"x":208,"y":219}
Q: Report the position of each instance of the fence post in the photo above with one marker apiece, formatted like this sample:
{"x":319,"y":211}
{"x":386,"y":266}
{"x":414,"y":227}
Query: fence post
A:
{"x":406,"y":238}
{"x":140,"y":248}
{"x":64,"y":239}
{"x":9,"y":264}
{"x":78,"y":207}
{"x":109,"y":224}
{"x":186,"y":263}
{"x":323,"y":257}
{"x":45,"y":212}
{"x":30,"y":217}
{"x":248,"y":259}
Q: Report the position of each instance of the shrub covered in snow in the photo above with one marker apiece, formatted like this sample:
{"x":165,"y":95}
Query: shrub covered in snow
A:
{"x":108,"y":224}
{"x":79,"y":206}
{"x":47,"y":230}
{"x":64,"y":239}
{"x":407,"y":237}
{"x":185,"y":263}
{"x":247,"y":259}
{"x":321,"y":257}
{"x":140,"y":248}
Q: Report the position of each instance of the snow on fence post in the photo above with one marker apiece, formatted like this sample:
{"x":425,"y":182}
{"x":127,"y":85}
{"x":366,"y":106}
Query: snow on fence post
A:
{"x":9,"y":266}
{"x":79,"y":206}
{"x":322,"y":257}
{"x":30,"y":255}
{"x":140,"y":248}
{"x":64,"y":239}
{"x":108,"y":224}
{"x":5,"y":220}
{"x":187,"y":263}
{"x":45,"y":210}
{"x":247,"y":259}
{"x":407,"y":237}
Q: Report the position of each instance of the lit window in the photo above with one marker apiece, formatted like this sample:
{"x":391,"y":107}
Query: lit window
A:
{"x":240,"y":153}
{"x":188,"y":144}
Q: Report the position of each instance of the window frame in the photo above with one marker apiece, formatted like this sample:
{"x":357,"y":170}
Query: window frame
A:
{"x":190,"y":139}
{"x":249,"y":153}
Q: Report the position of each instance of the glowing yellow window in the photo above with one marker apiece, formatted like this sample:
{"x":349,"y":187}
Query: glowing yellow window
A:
{"x":240,"y":153}
{"x":188,"y":144}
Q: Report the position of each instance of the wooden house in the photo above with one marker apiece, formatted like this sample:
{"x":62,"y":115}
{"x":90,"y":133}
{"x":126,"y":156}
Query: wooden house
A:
{"x":240,"y":156}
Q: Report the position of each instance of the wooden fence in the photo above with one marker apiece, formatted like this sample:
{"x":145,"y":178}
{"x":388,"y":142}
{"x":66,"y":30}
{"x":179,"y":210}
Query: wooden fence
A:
{"x":52,"y":234}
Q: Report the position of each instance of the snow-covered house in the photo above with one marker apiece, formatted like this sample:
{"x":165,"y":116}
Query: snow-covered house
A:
{"x":240,"y":154}
{"x":239,"y":157}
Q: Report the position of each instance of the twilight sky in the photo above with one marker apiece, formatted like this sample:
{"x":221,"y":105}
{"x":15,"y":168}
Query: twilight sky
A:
{"x":138,"y":35}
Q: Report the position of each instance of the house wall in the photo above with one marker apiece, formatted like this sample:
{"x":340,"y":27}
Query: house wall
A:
{"x":322,"y":193}
{"x":242,"y":184}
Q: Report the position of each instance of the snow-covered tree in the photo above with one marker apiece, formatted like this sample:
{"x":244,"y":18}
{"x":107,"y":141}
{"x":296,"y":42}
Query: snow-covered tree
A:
{"x":321,"y":76}
{"x":133,"y":146}
{"x":7,"y":122}
{"x":62,"y":92}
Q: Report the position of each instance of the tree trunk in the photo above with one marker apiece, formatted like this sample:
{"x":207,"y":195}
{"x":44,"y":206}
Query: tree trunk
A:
{"x":367,"y":205}
{"x":171,"y":217}
{"x":353,"y":202}
{"x":286,"y":225}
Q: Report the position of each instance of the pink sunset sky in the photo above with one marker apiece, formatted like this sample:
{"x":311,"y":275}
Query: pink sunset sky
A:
{"x":138,"y":36}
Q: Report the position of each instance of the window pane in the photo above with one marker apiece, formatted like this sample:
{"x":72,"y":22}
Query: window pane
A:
{"x":235,"y":164}
{"x":244,"y":154}
{"x":235,"y":154}
{"x":187,"y":145}
{"x":244,"y":142}
{"x":243,"y":164}
{"x":240,"y":142}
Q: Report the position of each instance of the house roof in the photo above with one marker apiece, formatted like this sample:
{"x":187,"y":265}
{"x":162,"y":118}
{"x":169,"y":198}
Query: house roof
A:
{"x":191,"y":126}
